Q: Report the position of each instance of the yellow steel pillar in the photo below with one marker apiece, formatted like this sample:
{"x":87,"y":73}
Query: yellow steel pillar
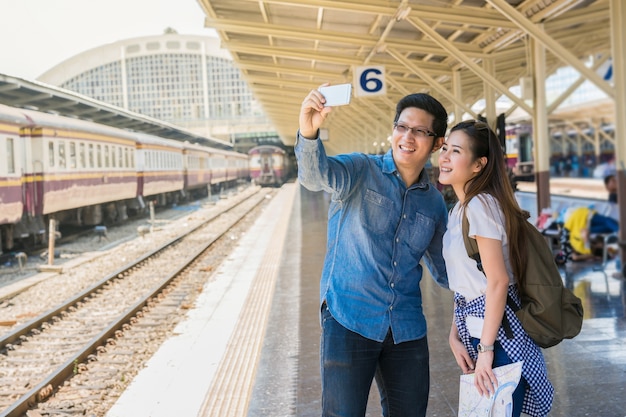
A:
{"x":489,"y":92}
{"x":541,"y":138}
{"x":618,"y":43}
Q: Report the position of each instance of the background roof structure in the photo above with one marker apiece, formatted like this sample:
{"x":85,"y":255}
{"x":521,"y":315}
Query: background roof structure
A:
{"x":35,"y":95}
{"x":460,"y":51}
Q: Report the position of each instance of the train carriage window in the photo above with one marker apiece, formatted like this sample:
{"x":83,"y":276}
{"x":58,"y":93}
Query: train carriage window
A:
{"x":127,"y":157}
{"x":132,"y":157}
{"x":62,"y":163}
{"x":51,"y":154}
{"x":99,"y":155}
{"x":10,"y":156}
{"x":120,"y":157}
{"x":106,"y":156}
{"x":72,"y":155}
{"x":113,"y":156}
{"x":90,"y":152}
{"x":81,"y":155}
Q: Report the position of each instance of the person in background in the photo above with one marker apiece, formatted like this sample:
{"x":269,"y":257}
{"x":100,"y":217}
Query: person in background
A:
{"x":585,"y":227}
{"x":471,"y":161}
{"x":384,"y":217}
{"x":610,"y":183}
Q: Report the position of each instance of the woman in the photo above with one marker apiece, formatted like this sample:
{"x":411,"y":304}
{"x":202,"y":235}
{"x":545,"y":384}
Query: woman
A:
{"x":472,"y":162}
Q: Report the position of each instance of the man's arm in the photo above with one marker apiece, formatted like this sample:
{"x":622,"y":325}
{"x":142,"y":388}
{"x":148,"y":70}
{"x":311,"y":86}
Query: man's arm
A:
{"x":433,"y":257}
{"x":312,"y":163}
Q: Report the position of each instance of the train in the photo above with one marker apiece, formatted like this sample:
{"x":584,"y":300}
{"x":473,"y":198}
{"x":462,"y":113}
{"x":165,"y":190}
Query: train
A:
{"x":82,"y":173}
{"x":565,"y":160}
{"x":269,"y":165}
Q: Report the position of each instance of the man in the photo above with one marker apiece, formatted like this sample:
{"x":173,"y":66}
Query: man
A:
{"x":384,"y":216}
{"x":610,"y":183}
{"x":583,"y":223}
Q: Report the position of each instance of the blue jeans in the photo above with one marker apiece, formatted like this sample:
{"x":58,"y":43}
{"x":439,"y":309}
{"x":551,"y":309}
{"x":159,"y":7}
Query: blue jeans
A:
{"x":350,"y":362}
{"x":603,"y":224}
{"x":500,"y":358}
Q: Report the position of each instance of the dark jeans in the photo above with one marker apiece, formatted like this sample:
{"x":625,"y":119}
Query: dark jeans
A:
{"x":350,"y":362}
{"x":500,"y":358}
{"x":603,"y":224}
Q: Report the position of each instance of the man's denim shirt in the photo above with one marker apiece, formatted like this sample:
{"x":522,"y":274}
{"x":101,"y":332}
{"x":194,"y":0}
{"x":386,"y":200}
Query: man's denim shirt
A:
{"x":378,"y":231}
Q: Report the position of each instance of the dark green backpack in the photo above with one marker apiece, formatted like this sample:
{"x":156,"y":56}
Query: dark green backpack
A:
{"x":550,"y":312}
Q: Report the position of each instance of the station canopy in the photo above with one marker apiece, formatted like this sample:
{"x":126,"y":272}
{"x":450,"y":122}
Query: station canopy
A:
{"x":460,"y":51}
{"x":34,"y":95}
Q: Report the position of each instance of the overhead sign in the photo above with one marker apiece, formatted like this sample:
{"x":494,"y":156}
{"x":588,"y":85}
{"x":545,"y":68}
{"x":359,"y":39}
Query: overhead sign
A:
{"x":369,"y":81}
{"x":606,"y":70}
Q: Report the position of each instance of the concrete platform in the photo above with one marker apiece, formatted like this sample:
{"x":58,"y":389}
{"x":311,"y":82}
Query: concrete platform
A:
{"x":214,"y":368}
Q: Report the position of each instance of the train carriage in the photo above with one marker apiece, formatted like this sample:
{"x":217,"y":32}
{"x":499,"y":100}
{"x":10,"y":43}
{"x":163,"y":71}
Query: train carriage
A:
{"x":12,"y":146}
{"x":160,"y":170}
{"x":11,"y":167}
{"x":78,"y":164}
{"x":205,"y":166}
{"x":73,"y":170}
{"x":85,"y":174}
{"x":219,"y":166}
{"x":269,"y":165}
{"x":243,"y":167}
{"x":234,"y":164}
{"x":197,"y":168}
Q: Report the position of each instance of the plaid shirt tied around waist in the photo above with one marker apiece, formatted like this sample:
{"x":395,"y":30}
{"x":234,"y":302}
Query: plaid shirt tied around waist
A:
{"x":539,"y":396}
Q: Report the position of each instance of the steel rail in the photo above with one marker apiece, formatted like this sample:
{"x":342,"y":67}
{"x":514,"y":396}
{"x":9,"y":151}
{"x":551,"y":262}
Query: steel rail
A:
{"x":48,"y":385}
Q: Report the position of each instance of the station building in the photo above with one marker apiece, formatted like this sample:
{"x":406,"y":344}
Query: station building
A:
{"x":186,"y":80}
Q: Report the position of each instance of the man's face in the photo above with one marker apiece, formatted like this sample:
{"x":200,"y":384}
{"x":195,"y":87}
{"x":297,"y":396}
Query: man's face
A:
{"x":412,"y":139}
{"x":611,"y":185}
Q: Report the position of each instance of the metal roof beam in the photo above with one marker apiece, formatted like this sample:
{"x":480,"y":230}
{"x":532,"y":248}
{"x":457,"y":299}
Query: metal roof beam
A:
{"x":311,"y":35}
{"x":458,"y":14}
{"x":541,"y":36}
{"x":452,"y":50}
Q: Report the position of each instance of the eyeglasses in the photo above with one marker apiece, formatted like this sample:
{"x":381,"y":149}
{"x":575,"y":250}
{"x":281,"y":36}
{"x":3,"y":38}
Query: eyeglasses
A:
{"x":415,"y":132}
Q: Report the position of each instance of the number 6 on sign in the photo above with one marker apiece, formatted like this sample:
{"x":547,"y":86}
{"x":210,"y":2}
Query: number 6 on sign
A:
{"x":369,"y":81}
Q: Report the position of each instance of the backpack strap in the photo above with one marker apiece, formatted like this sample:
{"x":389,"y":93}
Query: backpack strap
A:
{"x":471,"y":247}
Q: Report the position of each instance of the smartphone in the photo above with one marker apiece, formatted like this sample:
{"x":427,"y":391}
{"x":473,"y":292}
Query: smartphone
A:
{"x":336,"y":95}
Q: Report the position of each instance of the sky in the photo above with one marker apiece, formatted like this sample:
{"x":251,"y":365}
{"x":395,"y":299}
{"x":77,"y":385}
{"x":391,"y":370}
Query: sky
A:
{"x":36,"y":35}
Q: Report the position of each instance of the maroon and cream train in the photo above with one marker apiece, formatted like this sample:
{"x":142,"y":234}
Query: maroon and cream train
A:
{"x":84,"y":173}
{"x":269,"y":165}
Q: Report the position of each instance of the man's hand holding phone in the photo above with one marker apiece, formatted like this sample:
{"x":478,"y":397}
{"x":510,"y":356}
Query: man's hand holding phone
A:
{"x":336,"y":95}
{"x":318,"y":104}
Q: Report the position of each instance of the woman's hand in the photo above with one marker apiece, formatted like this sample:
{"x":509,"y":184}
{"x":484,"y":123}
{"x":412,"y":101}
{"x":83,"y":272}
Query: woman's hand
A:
{"x":463,"y":359}
{"x":312,"y":114}
{"x":484,"y":378}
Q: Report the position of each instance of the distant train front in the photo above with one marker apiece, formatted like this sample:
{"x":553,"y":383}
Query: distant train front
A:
{"x":269,"y":165}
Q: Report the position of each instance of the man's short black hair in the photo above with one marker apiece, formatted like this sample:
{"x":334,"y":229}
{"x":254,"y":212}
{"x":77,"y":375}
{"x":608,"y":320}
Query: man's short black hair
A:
{"x":427,"y":103}
{"x":608,"y":178}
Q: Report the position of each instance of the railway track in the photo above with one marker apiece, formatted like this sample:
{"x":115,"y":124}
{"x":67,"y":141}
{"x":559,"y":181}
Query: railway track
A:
{"x":61,"y":344}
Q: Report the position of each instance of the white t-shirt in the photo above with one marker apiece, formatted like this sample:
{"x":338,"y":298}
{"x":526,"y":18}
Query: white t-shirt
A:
{"x":486,"y":220}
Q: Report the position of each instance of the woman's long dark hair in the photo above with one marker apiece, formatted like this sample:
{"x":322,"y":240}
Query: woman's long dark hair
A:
{"x":493,"y":179}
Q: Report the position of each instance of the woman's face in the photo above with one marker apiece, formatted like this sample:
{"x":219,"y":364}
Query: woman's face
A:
{"x":457,"y":164}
